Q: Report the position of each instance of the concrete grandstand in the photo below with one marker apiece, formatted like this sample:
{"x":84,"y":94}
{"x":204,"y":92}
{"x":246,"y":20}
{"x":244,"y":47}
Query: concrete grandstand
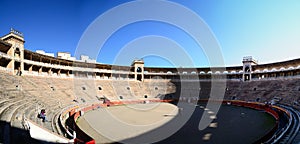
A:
{"x":68,"y":88}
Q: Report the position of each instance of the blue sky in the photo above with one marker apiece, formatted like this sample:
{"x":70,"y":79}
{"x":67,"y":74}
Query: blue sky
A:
{"x":267,"y":30}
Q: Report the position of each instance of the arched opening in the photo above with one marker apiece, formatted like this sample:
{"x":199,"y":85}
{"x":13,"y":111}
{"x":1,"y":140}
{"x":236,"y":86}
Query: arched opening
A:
{"x":247,"y":69}
{"x":17,"y":67}
{"x":247,"y":77}
{"x":257,"y":99}
{"x":139,"y":69}
{"x":233,"y":98}
{"x":139,"y":77}
{"x":17,"y":53}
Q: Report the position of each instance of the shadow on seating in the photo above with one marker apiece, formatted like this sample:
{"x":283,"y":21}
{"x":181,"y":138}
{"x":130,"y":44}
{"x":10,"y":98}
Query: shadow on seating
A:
{"x":16,"y":135}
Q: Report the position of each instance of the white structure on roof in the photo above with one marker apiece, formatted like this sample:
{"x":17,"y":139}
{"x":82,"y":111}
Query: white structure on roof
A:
{"x":85,"y":58}
{"x":65,"y":55}
{"x":44,"y":53}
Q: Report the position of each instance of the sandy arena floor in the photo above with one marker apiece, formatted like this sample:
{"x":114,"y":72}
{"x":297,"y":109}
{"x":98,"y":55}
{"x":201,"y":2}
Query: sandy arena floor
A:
{"x":122,"y":122}
{"x":165,"y":123}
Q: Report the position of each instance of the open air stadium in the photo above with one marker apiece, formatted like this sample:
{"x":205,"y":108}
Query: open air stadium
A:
{"x":89,"y":102}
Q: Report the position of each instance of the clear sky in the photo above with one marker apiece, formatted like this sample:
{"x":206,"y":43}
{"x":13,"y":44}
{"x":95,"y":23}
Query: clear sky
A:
{"x":268,"y":30}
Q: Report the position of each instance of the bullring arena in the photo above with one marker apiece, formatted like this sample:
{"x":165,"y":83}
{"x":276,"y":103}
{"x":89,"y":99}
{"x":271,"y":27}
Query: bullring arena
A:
{"x":89,"y":102}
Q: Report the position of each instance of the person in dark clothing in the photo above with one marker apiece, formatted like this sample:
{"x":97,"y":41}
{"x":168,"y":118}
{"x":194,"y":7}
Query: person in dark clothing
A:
{"x":42,"y":115}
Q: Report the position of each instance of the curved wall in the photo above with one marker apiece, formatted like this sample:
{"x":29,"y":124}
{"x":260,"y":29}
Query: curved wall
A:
{"x":15,"y":59}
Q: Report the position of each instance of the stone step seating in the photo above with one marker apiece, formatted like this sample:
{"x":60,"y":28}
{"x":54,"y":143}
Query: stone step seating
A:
{"x":19,"y":130}
{"x":50,"y":96}
{"x":146,"y":89}
{"x":107,"y":90}
{"x":233,"y":85}
{"x":39,"y":82}
{"x":59,"y":96}
{"x":136,"y":91}
{"x":25,"y":82}
{"x":28,"y":82}
{"x":51,"y":111}
{"x":292,"y":85}
{"x":55,"y":123}
{"x":69,"y":93}
{"x":22,"y":113}
{"x":48,"y":124}
{"x":10,"y":108}
{"x":6,"y":78}
{"x":38,"y":94}
{"x":85,"y":89}
{"x":7,"y":115}
{"x":156,"y":87}
{"x":42,"y":84}
{"x":4,"y":103}
{"x":288,"y":90}
{"x":9,"y":82}
{"x":80,"y":96}
{"x":9,"y":87}
{"x":88,"y":95}
{"x":18,"y":115}
{"x":32,"y":112}
{"x":8,"y":100}
{"x":122,"y":88}
{"x":140,"y":90}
